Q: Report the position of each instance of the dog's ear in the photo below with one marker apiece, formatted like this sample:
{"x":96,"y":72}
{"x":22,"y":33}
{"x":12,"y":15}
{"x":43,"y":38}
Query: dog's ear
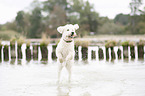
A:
{"x":60,"y":29}
{"x":76,"y":26}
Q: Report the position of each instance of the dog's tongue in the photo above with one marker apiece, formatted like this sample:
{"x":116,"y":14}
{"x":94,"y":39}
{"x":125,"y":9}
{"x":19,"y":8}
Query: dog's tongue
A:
{"x":73,"y":36}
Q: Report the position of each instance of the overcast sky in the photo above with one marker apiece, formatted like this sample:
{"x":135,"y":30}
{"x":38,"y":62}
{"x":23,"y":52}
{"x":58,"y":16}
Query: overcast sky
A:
{"x":9,"y":8}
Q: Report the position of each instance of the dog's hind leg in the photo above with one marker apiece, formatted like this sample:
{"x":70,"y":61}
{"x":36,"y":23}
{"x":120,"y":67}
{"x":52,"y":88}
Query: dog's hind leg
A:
{"x":59,"y":72}
{"x":69,"y":69}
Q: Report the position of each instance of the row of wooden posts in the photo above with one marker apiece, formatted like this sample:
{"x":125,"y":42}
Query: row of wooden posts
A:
{"x":140,"y":51}
{"x":84,"y":51}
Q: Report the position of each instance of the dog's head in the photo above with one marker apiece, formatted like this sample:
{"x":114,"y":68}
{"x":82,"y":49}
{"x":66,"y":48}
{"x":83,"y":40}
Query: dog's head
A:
{"x":68,"y":31}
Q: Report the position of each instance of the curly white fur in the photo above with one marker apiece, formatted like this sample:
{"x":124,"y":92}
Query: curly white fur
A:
{"x":65,"y":48}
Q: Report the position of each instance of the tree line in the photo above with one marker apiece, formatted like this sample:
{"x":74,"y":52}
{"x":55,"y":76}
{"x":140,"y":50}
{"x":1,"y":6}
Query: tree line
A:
{"x":46,"y":16}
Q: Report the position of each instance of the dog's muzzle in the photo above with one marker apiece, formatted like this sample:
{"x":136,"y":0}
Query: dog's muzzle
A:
{"x":73,"y":35}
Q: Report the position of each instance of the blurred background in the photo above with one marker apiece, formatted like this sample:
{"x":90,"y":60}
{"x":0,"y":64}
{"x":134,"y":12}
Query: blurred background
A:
{"x":109,"y":50}
{"x":32,"y":18}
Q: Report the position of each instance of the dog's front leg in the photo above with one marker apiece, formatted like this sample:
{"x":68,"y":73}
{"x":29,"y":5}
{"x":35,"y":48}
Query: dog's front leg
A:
{"x":69,"y":56}
{"x":60,"y":58}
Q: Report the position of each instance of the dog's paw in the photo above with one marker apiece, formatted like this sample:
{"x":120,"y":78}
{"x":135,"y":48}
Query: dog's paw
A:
{"x":60,"y":60}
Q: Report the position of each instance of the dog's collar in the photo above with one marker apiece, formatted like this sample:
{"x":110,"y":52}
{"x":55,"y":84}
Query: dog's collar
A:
{"x":68,"y":41}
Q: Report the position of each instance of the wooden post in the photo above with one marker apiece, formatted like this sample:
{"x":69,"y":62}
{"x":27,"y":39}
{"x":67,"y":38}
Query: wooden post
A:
{"x":84,"y":53}
{"x":110,"y":44}
{"x":54,"y":52}
{"x":125,"y":45}
{"x":119,"y":53}
{"x":13,"y":51}
{"x":35,"y":52}
{"x":140,"y":51}
{"x":140,"y":48}
{"x":132,"y":52}
{"x":112,"y":53}
{"x":93,"y":54}
{"x":107,"y":53}
{"x":44,"y":52}
{"x":101,"y":55}
{"x":0,"y":52}
{"x":19,"y":50}
{"x":28,"y":53}
{"x":76,"y":52}
{"x":12,"y":48}
{"x":125,"y":51}
{"x":6,"y":52}
{"x":76,"y":48}
{"x":20,"y":42}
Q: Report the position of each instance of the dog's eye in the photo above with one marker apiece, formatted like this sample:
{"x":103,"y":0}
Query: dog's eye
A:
{"x":67,"y":29}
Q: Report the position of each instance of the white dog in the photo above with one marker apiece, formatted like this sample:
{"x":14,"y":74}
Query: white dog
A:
{"x":65,"y":48}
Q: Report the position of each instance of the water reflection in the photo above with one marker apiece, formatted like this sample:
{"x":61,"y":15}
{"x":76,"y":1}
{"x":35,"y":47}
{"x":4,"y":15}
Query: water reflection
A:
{"x":84,"y":62}
{"x":33,"y":78}
{"x":63,"y":90}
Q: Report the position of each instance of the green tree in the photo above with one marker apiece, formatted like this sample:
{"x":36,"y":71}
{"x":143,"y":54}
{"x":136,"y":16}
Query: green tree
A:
{"x":141,"y":27}
{"x":84,"y":14}
{"x":35,"y":30}
{"x":55,"y":15}
{"x":48,"y":6}
{"x":92,"y":16}
{"x":134,"y":15}
{"x":121,"y":19}
{"x":20,"y":22}
{"x":111,"y":28}
{"x":9,"y":26}
{"x":57,"y":18}
{"x":107,"y":26}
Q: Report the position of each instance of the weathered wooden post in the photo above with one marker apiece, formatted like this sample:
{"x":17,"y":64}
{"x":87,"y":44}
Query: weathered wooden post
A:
{"x":19,"y":45}
{"x":93,"y":54}
{"x":84,"y":50}
{"x":35,"y":52}
{"x":132,"y":49}
{"x":101,"y":55}
{"x":12,"y":47}
{"x":140,"y":45}
{"x":107,"y":53}
{"x":119,"y":53}
{"x":112,"y":53}
{"x":28,"y":51}
{"x":76,"y":48}
{"x":110,"y":44}
{"x":0,"y":51}
{"x":44,"y":50}
{"x":6,"y":52}
{"x":84,"y":53}
{"x":125,"y":45}
{"x":76,"y":52}
{"x":54,"y":52}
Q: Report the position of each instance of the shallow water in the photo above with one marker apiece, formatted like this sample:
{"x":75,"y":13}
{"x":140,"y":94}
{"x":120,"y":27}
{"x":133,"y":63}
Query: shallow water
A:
{"x":88,"y":79}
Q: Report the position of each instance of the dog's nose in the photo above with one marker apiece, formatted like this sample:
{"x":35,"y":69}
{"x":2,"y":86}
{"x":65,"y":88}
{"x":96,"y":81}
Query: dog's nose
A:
{"x":72,"y":33}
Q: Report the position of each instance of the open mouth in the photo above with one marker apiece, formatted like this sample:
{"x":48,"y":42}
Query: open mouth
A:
{"x":72,"y":36}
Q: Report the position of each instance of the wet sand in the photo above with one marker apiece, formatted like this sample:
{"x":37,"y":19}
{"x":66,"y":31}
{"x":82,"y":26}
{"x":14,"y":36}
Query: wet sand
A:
{"x":88,"y":79}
